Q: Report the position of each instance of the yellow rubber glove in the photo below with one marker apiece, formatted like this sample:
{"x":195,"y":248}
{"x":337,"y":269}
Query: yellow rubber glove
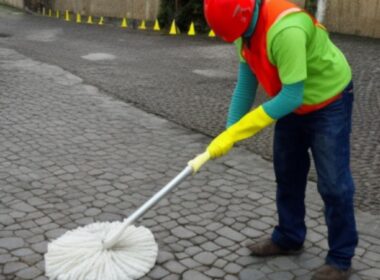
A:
{"x":248,"y":126}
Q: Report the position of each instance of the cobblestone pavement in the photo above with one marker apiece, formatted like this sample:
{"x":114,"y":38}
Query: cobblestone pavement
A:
{"x":190,"y":80}
{"x":71,"y":155}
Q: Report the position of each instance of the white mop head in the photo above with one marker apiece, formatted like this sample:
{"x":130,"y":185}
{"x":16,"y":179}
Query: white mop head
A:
{"x":79,"y":254}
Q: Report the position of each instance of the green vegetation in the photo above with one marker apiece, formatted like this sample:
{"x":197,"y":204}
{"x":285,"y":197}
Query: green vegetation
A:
{"x":184,"y":12}
{"x":311,"y":6}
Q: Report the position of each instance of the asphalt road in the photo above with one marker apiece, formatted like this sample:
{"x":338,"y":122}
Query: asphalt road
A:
{"x":190,"y":80}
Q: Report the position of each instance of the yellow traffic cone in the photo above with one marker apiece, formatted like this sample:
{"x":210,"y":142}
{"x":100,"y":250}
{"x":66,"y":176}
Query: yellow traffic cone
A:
{"x":173,"y":29}
{"x":43,"y":11}
{"x":101,"y":21}
{"x":57,"y":14}
{"x":79,"y":18}
{"x":89,"y":20}
{"x":50,"y":13}
{"x":67,"y":16}
{"x":156,"y":26}
{"x":191,"y":30}
{"x":124,"y":23}
{"x":212,"y":33}
{"x":142,"y":25}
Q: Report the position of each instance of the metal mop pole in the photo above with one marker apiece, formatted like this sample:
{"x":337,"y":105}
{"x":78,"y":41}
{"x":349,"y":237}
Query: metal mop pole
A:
{"x":192,"y":167}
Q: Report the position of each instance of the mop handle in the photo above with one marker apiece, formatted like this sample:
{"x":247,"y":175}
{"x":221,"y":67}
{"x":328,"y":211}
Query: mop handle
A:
{"x":192,"y":167}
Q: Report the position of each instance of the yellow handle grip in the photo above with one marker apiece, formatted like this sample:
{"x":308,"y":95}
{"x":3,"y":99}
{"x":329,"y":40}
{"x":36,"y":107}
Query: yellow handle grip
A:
{"x":198,"y":161}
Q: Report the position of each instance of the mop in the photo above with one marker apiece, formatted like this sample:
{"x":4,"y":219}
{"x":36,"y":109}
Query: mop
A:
{"x":111,"y":251}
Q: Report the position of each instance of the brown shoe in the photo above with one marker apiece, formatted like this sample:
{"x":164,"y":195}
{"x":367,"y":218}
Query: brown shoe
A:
{"x":267,"y":248}
{"x":328,"y":272}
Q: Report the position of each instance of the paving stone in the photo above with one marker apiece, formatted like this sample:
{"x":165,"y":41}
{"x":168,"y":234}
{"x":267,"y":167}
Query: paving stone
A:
{"x":23,"y":207}
{"x":164,"y":256}
{"x":190,"y":263}
{"x":230,"y":277}
{"x":251,"y":273}
{"x":312,"y":263}
{"x":43,"y":221}
{"x":220,"y":263}
{"x":251,"y":233}
{"x":181,"y":256}
{"x":373,"y":272}
{"x":223,"y":242}
{"x":182,"y":232}
{"x":35,"y":201}
{"x":300,"y":272}
{"x":282,"y":263}
{"x":205,"y":258}
{"x":40,"y":247}
{"x":210,"y":246}
{"x":158,"y":273}
{"x":55,"y":233}
{"x":29,"y":273}
{"x":22,"y":252}
{"x":6,"y":219}
{"x":372,"y":256}
{"x":16,"y":214}
{"x":92,"y":212}
{"x":41,"y":278}
{"x":12,"y":267}
{"x":314,"y":236}
{"x":31,"y":259}
{"x":215,"y":273}
{"x":192,"y":275}
{"x":198,"y":239}
{"x":222,"y":252}
{"x":174,"y":267}
{"x":11,"y":243}
{"x":231,"y":234}
{"x":232,"y":268}
{"x":5,"y":258}
{"x":282,"y":275}
{"x":172,"y":277}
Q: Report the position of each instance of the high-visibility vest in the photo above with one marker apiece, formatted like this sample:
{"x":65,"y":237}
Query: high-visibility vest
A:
{"x":256,"y":55}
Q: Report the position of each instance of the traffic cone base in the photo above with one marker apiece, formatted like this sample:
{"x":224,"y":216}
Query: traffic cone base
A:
{"x":67,"y":16}
{"x":89,"y":20}
{"x":191,"y":30}
{"x":142,"y":25}
{"x":173,"y":29}
{"x":156,"y":26}
{"x":79,"y":18}
{"x":124,"y":23}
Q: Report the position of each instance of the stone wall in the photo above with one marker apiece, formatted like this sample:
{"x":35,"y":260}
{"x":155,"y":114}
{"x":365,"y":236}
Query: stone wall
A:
{"x":138,"y":9}
{"x":358,"y":17}
{"x":13,"y":3}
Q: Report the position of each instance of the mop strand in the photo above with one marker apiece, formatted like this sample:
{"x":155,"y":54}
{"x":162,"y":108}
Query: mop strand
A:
{"x":79,"y":254}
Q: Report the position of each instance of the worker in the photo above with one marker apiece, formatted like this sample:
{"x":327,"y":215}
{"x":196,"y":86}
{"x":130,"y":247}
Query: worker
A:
{"x":289,"y":53}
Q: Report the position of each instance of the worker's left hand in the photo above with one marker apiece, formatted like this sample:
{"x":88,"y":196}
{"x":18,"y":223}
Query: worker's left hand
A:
{"x":221,"y":145}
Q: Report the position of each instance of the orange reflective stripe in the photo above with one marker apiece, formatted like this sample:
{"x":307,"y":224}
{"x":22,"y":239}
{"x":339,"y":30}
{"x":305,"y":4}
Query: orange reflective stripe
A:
{"x":305,"y":109}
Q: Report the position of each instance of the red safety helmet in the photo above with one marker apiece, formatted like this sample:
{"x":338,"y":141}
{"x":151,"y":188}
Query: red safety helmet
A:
{"x":229,"y":19}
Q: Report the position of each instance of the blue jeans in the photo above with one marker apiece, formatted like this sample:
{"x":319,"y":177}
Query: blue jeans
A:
{"x":326,"y":133}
